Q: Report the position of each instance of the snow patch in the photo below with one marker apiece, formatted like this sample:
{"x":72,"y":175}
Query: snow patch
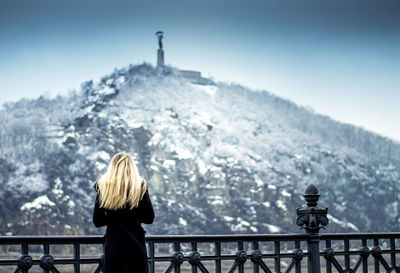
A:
{"x":182,"y":221}
{"x":38,"y":203}
{"x":254,"y":229}
{"x":169,"y":163}
{"x":258,"y":181}
{"x":100,"y":166}
{"x":71,"y":207}
{"x":242,"y":225}
{"x":107,"y":91}
{"x":57,"y":190}
{"x":202,"y":167}
{"x":343,"y":223}
{"x":183,"y":153}
{"x":281,"y":205}
{"x":217,"y":202}
{"x":266,"y":204}
{"x":273,"y":228}
{"x":285,"y":193}
{"x":209,"y":89}
{"x":100,"y":155}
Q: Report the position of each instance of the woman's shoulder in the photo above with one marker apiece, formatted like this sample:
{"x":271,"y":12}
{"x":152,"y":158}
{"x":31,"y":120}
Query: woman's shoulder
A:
{"x":96,"y":186}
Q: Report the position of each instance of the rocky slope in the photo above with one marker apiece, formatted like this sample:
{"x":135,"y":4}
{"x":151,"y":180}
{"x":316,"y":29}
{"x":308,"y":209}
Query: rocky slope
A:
{"x":219,"y":158}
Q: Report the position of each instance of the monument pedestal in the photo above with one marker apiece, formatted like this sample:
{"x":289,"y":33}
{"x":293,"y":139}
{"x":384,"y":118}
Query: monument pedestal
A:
{"x":160,"y":57}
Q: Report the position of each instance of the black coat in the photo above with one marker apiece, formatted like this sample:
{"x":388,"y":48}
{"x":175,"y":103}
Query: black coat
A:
{"x":124,"y":247}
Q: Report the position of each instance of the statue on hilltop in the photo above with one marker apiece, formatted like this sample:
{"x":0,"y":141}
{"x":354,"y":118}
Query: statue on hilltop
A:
{"x":160,"y":51}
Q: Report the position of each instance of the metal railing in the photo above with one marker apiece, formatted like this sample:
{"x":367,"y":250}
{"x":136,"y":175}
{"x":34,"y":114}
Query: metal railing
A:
{"x":46,"y":261}
{"x":307,"y":252}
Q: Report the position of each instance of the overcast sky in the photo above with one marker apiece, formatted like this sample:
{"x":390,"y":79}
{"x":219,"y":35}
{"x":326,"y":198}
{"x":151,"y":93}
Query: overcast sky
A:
{"x":340,"y":57}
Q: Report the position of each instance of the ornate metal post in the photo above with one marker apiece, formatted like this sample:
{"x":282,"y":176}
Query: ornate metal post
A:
{"x":312,"y":219}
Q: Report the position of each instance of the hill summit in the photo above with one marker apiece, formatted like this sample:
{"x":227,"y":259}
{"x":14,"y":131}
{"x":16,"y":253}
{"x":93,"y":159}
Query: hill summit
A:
{"x":219,"y":158}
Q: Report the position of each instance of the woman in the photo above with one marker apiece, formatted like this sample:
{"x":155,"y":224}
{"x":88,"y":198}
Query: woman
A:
{"x":123,"y":203}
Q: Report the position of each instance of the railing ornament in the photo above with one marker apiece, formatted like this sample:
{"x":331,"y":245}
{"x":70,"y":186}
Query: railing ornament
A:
{"x":312,"y":218}
{"x":298,"y":254}
{"x":195,"y":258}
{"x":376,"y":251}
{"x":241,"y":256}
{"x":47,"y":263}
{"x":25,"y":262}
{"x":256,"y":256}
{"x":365,"y":252}
{"x":329,"y":253}
{"x":177,"y":258}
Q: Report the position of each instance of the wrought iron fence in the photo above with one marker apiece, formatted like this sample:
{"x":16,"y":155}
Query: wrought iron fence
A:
{"x":307,"y":252}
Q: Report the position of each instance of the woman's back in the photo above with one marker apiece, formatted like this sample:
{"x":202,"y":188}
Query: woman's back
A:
{"x":144,"y":213}
{"x":124,"y":248}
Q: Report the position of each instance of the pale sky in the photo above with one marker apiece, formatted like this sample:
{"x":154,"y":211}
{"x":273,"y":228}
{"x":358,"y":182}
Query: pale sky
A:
{"x":340,"y":58}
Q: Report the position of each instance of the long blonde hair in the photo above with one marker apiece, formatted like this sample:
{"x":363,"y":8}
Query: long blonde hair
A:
{"x":121,"y":185}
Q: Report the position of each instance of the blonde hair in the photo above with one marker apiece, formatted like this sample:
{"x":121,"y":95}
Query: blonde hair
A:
{"x":121,"y":185}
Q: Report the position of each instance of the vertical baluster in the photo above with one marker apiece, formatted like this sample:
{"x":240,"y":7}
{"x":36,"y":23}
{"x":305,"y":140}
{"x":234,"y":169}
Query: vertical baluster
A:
{"x":218,"y":257}
{"x":376,"y":260}
{"x":24,"y":248}
{"x":46,"y":250}
{"x":393,"y":252}
{"x":240,"y":247}
{"x":194,"y":248}
{"x":256,"y":268}
{"x":177,"y":247}
{"x":365,"y":262}
{"x":151,"y":262}
{"x":328,"y":244}
{"x":277,"y":247}
{"x":24,"y":251}
{"x":298,"y":263}
{"x":77,"y":251}
{"x":346,"y":254}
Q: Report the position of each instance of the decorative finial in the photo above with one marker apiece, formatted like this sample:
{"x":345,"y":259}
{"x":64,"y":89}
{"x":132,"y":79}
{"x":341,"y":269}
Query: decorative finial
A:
{"x":312,"y":218}
{"x":311,"y":195}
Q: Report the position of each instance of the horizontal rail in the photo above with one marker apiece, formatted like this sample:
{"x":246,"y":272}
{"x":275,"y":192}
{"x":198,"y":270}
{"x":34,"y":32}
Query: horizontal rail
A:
{"x":98,"y":239}
{"x":189,"y":243}
{"x":90,"y":239}
{"x":359,"y":236}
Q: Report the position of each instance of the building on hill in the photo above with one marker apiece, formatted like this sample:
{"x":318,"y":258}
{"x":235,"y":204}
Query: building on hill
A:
{"x":193,"y":76}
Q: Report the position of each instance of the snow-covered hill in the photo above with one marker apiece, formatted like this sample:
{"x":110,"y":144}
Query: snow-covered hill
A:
{"x":218,"y":158}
